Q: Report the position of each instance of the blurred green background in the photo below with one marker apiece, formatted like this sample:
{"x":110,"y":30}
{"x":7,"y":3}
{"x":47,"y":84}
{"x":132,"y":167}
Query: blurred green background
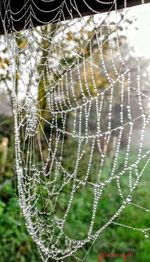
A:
{"x":15,"y":243}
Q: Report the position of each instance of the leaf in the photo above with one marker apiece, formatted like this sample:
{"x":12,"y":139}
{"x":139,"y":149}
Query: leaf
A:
{"x":4,"y":62}
{"x":23,"y":44}
{"x":70,"y":36}
{"x":17,"y":76}
{"x":2,"y":206}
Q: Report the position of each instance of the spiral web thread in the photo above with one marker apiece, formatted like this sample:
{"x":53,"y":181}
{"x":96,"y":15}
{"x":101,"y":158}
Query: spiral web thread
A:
{"x":79,"y":94}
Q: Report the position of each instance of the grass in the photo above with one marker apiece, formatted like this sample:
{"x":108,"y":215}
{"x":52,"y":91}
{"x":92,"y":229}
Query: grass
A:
{"x":17,"y":246}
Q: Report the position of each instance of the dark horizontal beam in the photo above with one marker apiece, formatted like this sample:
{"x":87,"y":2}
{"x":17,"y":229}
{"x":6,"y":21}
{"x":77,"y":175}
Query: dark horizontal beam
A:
{"x":22,"y":14}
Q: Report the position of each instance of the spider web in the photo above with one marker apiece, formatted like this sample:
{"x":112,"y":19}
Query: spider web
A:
{"x":77,"y":105}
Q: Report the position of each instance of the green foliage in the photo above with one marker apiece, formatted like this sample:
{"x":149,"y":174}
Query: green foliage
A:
{"x":15,"y":243}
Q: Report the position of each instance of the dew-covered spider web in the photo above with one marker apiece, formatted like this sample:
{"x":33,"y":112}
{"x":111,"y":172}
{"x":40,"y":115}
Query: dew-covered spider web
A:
{"x":81,"y":108}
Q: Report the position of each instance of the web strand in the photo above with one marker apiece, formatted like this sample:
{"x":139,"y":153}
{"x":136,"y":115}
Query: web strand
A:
{"x":78,"y":102}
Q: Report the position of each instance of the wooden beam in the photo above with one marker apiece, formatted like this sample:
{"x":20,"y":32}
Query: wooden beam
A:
{"x":20,"y":14}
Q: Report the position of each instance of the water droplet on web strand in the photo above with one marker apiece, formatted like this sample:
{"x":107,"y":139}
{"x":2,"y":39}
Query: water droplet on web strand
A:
{"x":146,"y":235}
{"x":129,"y":199}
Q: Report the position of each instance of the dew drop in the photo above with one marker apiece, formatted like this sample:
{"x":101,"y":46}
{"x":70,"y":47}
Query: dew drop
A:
{"x":146,"y":235}
{"x":129,"y":199}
